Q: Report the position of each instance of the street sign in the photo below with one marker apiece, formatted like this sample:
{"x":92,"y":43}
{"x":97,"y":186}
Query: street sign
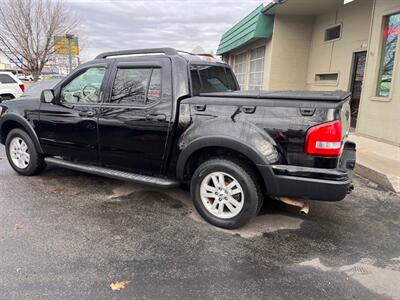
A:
{"x":61,"y":45}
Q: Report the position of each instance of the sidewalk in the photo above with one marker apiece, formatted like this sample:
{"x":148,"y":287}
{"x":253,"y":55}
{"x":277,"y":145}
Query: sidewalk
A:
{"x":378,"y":162}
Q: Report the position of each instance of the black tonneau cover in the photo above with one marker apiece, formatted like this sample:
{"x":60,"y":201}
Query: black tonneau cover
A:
{"x":336,"y":96}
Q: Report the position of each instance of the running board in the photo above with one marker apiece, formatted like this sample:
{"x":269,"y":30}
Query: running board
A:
{"x":160,"y":182}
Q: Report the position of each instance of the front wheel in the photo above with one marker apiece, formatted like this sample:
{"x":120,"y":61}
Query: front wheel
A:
{"x":22,"y":153}
{"x":226,"y":193}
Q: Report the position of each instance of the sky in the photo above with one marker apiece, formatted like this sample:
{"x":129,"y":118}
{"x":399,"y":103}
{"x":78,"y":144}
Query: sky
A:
{"x":129,"y":24}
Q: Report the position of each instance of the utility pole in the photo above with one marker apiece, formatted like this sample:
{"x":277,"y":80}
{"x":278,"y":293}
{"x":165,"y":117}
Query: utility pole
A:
{"x":69,"y":37}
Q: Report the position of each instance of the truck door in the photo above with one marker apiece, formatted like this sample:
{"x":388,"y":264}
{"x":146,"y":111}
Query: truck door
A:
{"x":68,"y":126}
{"x":135,"y":118}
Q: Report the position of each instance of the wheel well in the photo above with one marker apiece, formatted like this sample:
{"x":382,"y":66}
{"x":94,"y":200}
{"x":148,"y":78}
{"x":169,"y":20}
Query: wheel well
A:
{"x":203,"y":154}
{"x":7,"y":127}
{"x":8,"y":95}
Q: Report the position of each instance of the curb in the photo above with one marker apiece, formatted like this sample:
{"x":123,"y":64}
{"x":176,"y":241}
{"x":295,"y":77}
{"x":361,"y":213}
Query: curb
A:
{"x":390,"y":182}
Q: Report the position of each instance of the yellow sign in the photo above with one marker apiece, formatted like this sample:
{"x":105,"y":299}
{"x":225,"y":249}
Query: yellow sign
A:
{"x":62,"y":45}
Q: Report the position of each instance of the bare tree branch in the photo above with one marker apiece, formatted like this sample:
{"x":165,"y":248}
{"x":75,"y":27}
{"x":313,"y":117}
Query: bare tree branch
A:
{"x":28,"y":29}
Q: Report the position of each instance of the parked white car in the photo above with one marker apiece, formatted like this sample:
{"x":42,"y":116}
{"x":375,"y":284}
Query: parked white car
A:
{"x":10,"y":86}
{"x":25,"y":77}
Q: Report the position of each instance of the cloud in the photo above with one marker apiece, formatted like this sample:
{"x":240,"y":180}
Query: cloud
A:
{"x":123,"y":24}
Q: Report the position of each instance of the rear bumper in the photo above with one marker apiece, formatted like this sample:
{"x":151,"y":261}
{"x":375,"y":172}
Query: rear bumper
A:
{"x":312,"y":183}
{"x":312,"y":188}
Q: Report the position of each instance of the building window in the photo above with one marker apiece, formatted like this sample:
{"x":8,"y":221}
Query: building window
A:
{"x":333,"y":33}
{"x":333,"y":77}
{"x":390,"y":40}
{"x":240,"y":68}
{"x":256,"y":68}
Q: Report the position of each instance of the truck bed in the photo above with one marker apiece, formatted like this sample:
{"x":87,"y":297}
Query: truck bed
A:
{"x":285,"y":116}
{"x":335,"y":96}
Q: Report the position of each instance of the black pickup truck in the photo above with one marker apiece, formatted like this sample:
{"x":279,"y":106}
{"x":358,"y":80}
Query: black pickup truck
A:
{"x":166,"y":117}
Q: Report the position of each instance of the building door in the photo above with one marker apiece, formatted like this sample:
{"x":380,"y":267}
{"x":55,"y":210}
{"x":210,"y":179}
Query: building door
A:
{"x":356,"y":84}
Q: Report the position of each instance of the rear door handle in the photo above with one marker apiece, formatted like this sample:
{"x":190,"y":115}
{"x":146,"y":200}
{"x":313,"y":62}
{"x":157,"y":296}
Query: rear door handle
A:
{"x":156,"y":117}
{"x":87,"y":113}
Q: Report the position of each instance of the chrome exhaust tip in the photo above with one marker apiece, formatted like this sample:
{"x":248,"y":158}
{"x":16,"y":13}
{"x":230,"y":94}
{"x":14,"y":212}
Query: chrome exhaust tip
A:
{"x":304,"y":206}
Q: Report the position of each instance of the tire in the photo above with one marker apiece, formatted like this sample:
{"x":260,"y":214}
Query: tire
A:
{"x":185,"y":186}
{"x":31,"y":165}
{"x":246,"y":191}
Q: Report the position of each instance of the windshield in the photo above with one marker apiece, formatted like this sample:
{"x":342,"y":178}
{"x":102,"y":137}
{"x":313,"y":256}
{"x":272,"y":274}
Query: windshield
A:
{"x":212,"y":79}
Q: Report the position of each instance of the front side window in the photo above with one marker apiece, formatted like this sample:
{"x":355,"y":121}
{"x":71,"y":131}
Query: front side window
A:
{"x":256,"y":68}
{"x":85,"y":88}
{"x":240,"y":68}
{"x":212,"y":79}
{"x":136,"y":86}
{"x":390,"y":40}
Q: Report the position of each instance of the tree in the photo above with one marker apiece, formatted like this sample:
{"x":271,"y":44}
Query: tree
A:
{"x":28,"y":29}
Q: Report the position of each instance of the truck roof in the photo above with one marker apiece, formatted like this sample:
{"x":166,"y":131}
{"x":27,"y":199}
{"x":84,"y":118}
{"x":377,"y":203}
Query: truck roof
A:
{"x":190,"y":57}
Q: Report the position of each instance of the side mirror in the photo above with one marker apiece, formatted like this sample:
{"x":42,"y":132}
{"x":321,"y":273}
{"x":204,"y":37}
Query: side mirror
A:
{"x":47,"y":96}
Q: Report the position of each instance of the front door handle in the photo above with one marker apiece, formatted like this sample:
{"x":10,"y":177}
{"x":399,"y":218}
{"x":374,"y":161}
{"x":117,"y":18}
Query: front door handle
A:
{"x":248,"y":109}
{"x":87,"y":113}
{"x":200,"y":107}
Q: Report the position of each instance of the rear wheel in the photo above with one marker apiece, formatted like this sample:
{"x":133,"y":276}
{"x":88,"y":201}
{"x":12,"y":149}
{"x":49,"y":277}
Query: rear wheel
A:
{"x":226,"y":193}
{"x":22,"y":153}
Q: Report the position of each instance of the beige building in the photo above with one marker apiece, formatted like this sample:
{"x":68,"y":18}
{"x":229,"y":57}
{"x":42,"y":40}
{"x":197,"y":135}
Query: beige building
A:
{"x":349,"y":45}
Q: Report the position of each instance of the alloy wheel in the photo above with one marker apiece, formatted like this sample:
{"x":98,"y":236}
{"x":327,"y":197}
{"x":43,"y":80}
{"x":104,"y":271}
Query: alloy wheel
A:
{"x":222,"y":195}
{"x":19,"y":153}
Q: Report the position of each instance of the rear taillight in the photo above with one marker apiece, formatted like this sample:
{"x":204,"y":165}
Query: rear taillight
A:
{"x":324,"y":140}
{"x":22,"y":87}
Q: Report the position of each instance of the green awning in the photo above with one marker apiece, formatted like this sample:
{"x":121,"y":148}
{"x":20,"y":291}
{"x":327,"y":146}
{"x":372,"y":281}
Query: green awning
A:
{"x":255,"y":26}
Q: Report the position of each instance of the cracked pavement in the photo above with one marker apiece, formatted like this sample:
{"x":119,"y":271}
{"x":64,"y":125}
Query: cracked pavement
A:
{"x":69,"y":235}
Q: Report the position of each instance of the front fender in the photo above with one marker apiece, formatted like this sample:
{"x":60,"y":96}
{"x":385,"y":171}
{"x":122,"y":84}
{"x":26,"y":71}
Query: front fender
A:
{"x":12,"y":117}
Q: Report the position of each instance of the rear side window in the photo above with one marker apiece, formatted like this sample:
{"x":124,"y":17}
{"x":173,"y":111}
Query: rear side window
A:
{"x":211,"y":79}
{"x":136,"y":86}
{"x":4,"y":78}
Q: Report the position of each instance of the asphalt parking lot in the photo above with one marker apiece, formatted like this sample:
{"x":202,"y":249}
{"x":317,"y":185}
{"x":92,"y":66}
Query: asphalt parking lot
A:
{"x":67,"y":235}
